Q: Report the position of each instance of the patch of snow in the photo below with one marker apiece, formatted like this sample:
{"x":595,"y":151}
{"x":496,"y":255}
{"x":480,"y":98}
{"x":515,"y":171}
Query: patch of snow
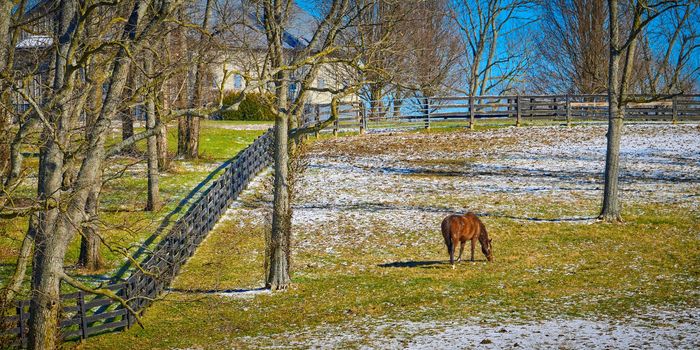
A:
{"x":654,"y":330}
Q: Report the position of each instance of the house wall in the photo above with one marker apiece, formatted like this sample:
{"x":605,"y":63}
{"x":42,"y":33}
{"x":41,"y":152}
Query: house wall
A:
{"x":332,"y":76}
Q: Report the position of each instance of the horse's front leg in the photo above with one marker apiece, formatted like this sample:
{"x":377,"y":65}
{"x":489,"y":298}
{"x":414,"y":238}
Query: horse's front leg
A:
{"x":452,"y":252}
{"x":461,"y":249}
{"x":473,"y":244}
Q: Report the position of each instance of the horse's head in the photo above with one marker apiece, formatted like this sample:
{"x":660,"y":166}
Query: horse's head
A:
{"x":486,"y":248}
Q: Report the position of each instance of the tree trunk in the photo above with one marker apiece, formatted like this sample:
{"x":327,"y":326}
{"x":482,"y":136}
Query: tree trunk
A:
{"x":278,"y":274}
{"x":188,"y":126}
{"x":15,"y":284}
{"x":128,"y":128}
{"x":90,"y":257}
{"x":188,"y":137}
{"x":162,"y":145}
{"x":45,"y":304}
{"x":153,"y":203}
{"x":611,"y":205}
{"x":278,"y":248}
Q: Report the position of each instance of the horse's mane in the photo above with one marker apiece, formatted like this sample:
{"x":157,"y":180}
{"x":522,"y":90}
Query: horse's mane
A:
{"x":483,"y":235}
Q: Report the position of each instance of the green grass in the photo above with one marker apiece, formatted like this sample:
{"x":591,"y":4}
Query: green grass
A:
{"x":541,"y":270}
{"x":123,"y":220}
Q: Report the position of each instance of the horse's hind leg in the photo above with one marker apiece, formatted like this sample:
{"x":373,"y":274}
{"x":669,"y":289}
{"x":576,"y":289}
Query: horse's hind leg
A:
{"x":473,"y":244}
{"x":452,"y":252}
{"x":461,"y":249}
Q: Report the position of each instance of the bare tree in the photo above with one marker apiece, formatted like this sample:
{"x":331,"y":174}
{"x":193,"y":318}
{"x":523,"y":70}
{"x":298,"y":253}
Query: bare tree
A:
{"x":670,"y":68}
{"x":188,"y":126}
{"x":623,"y":48}
{"x":572,"y":45}
{"x":435,"y":49}
{"x":483,"y":25}
{"x":62,"y":200}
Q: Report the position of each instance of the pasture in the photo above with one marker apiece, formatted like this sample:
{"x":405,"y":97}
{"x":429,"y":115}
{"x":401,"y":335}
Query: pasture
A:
{"x":123,"y":221}
{"x":370,"y":266}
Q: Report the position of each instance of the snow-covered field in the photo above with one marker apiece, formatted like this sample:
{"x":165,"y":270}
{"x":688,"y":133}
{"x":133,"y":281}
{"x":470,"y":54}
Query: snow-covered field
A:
{"x":409,"y":182}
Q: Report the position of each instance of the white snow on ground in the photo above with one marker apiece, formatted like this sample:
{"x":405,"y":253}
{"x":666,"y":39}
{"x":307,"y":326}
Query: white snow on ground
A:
{"x":652,"y":330}
{"x":412,"y":187}
{"x":660,"y":163}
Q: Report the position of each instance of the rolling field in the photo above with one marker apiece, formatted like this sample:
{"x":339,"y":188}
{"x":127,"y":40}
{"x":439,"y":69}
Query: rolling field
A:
{"x":369,"y":264}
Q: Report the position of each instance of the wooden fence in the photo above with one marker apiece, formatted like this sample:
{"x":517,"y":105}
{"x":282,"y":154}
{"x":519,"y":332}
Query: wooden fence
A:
{"x":85,"y":314}
{"x":465,"y":110}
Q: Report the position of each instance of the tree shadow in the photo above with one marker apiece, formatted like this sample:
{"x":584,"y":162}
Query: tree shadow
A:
{"x":217,"y":291}
{"x":428,"y":264}
{"x":420,"y":264}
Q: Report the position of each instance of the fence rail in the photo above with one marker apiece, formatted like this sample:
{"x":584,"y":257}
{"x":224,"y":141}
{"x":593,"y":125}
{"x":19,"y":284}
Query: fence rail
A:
{"x":85,"y":314}
{"x":517,"y":109}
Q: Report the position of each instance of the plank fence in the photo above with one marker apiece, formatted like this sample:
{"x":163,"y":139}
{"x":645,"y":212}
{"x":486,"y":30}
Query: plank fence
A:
{"x":414,"y":113}
{"x":85,"y":314}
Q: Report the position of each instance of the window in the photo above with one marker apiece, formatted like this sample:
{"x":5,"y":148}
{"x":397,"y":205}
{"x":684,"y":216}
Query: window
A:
{"x":237,"y":81}
{"x":321,"y":83}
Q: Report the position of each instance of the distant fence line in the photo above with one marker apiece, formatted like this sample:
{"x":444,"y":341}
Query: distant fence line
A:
{"x":427,"y":112}
{"x":84,"y":314}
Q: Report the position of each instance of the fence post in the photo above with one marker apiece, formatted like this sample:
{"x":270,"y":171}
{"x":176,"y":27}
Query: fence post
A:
{"x":335,"y":126}
{"x":83,"y":315}
{"x":517,"y":111}
{"x":361,"y":117}
{"x":22,"y":329}
{"x":317,"y":118}
{"x":127,"y":295}
{"x":427,"y":113}
{"x":568,"y":110}
{"x":471,"y":112}
{"x":675,"y":110}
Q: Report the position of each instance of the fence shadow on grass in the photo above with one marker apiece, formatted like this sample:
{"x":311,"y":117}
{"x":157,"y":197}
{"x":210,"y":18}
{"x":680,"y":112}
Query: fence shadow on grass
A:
{"x":168,"y":219}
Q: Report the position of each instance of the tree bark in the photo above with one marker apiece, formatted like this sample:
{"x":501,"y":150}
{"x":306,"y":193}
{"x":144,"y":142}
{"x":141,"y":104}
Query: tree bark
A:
{"x":90,"y":257}
{"x":162,"y":144}
{"x":278,"y":274}
{"x":127,"y":118}
{"x":153,"y":202}
{"x":278,"y":250}
{"x":611,"y":204}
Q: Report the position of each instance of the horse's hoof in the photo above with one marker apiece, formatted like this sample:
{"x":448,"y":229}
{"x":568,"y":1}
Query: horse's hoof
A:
{"x":453,"y":266}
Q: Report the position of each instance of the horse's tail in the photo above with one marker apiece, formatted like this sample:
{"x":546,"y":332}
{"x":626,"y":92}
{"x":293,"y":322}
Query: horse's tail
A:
{"x":446,"y":232}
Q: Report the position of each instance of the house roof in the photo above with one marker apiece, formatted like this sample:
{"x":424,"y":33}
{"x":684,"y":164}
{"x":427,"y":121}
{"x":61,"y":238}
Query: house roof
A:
{"x":248,"y":30}
{"x":35,"y":42}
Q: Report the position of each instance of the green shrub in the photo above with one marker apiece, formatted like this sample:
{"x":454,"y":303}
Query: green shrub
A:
{"x":255,"y":106}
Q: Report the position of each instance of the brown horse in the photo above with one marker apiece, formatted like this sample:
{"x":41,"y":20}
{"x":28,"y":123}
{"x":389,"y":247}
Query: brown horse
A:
{"x":461,"y":228}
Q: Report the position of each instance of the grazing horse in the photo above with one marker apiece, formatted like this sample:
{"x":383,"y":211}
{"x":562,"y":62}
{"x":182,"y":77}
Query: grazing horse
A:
{"x":461,"y":228}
